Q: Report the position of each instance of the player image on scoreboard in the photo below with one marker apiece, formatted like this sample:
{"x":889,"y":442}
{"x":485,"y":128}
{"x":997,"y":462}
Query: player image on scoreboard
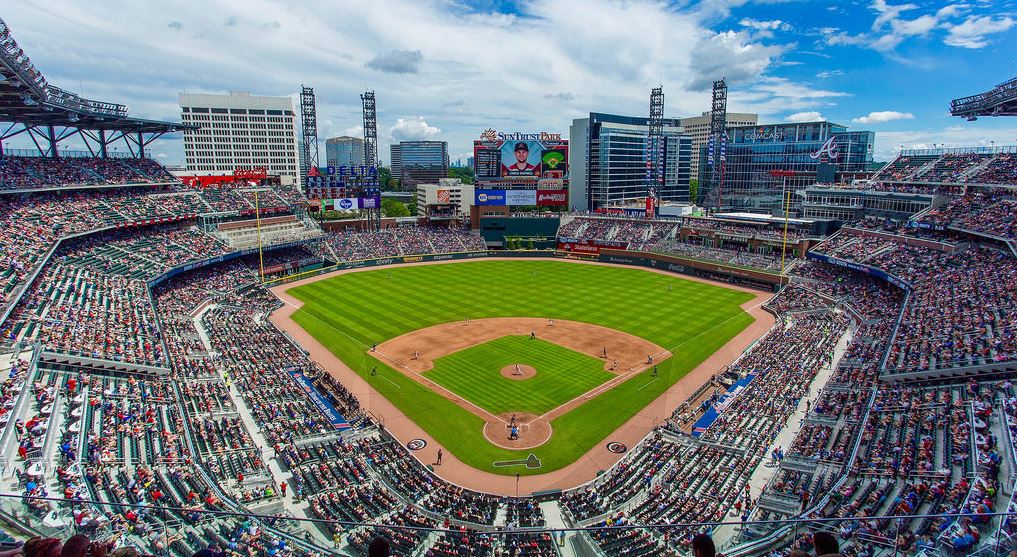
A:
{"x":521,"y":158}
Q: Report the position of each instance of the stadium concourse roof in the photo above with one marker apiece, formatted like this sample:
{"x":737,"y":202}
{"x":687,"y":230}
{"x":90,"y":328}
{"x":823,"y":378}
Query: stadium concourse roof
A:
{"x":1000,"y":101}
{"x":26,"y":99}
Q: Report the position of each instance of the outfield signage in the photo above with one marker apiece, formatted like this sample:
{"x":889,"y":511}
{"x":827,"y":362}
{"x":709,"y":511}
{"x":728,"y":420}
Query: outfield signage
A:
{"x":555,"y":198}
{"x":351,"y":203}
{"x":489,"y":197}
{"x":520,"y":197}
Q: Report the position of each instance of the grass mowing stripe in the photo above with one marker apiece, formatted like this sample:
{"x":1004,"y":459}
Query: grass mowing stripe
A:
{"x":370,"y":307}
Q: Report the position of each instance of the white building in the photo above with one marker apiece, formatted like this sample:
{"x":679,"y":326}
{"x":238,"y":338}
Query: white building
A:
{"x":698,"y":128}
{"x":240,"y":130}
{"x":447,"y":192}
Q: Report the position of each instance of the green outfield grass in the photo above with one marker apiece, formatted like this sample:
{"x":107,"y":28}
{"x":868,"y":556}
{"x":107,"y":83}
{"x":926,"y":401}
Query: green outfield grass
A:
{"x":349,"y":312}
{"x":475,"y":374}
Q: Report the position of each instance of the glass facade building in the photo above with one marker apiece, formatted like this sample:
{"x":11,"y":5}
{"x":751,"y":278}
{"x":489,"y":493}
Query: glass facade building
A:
{"x":344,"y":151}
{"x":608,"y":162}
{"x":815,"y":152}
{"x":420,"y":162}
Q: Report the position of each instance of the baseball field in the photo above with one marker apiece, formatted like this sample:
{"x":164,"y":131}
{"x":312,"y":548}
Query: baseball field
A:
{"x":566,"y":353}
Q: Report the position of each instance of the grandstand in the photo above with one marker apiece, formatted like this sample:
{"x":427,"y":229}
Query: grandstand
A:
{"x":149,"y":401}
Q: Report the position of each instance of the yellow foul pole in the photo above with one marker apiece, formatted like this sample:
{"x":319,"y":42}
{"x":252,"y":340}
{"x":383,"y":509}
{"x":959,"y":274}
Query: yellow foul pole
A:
{"x":257,"y":217}
{"x":783,"y":245}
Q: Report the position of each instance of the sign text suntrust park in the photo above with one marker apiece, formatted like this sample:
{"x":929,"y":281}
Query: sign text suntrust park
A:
{"x":518,"y":136}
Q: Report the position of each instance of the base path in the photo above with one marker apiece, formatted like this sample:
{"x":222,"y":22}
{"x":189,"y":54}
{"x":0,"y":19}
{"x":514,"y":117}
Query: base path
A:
{"x":414,"y":353}
{"x":587,"y":466}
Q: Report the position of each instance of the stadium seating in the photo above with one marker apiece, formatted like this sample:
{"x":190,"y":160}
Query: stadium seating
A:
{"x":227,"y":426}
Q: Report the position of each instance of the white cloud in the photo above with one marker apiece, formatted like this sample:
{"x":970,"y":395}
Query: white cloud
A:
{"x":810,"y":116}
{"x":891,"y":27}
{"x":771,"y":25}
{"x":972,"y":31}
{"x":407,"y":129}
{"x":829,"y":73}
{"x":514,"y":71}
{"x":883,"y":116}
{"x":732,"y":55}
{"x":888,"y":143}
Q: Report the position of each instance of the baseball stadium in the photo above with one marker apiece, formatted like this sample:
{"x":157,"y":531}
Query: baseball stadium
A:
{"x":210,"y":367}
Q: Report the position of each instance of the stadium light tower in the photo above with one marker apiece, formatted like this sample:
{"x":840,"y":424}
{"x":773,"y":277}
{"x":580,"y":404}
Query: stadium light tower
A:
{"x":309,"y":129}
{"x":717,"y":145}
{"x":654,"y":148}
{"x":370,"y":129}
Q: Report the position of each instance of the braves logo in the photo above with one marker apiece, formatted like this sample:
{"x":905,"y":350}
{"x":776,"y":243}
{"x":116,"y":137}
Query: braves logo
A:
{"x":830,"y":149}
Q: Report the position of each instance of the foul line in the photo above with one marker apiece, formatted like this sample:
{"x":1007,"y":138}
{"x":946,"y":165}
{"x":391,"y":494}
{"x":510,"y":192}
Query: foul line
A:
{"x":626,"y":376}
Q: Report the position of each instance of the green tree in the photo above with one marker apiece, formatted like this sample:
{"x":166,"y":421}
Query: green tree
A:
{"x":693,"y":190}
{"x":464,"y":173}
{"x":385,"y":178}
{"x":412,"y":205}
{"x":392,"y":208}
{"x":530,"y":245}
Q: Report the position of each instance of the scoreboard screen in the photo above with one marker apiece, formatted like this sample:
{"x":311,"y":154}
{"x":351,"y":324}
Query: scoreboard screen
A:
{"x":520,"y":161}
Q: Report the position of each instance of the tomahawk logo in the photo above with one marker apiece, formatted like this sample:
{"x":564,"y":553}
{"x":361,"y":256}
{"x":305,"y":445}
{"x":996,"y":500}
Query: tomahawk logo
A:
{"x":829,"y":148}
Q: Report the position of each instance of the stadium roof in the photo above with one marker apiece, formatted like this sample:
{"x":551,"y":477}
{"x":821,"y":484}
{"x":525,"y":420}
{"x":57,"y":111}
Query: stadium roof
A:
{"x":1000,"y":101}
{"x":27,"y":99}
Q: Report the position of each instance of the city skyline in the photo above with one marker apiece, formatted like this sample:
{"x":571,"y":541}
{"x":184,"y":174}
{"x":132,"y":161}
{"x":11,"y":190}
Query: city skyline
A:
{"x":875,"y":66}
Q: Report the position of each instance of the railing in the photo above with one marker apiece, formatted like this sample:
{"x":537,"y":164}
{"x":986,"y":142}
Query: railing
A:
{"x":783,"y":532}
{"x":991,"y":150}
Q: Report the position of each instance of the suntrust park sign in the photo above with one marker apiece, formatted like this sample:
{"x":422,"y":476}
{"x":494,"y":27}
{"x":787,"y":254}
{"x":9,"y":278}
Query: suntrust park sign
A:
{"x":491,"y":135}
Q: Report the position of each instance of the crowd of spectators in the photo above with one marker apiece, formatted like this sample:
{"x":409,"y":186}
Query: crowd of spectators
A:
{"x":982,"y":213}
{"x":353,"y":245}
{"x":30,"y":173}
{"x":959,"y":310}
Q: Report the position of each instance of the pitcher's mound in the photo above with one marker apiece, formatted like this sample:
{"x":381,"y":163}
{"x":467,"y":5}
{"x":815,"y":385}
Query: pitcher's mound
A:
{"x":523,"y":372}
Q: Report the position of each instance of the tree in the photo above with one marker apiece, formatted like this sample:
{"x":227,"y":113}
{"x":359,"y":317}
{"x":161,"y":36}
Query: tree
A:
{"x":464,"y":173}
{"x":412,"y":205}
{"x":385,"y":178}
{"x":693,"y":190}
{"x":392,"y":208}
{"x":530,"y":245}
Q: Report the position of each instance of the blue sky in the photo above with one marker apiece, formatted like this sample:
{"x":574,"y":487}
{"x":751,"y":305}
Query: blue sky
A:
{"x":447,"y":70}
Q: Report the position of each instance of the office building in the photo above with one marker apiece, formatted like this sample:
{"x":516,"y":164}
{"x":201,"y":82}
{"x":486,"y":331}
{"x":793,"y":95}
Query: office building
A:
{"x":698,"y":128}
{"x":395,"y":164}
{"x":764,"y":161}
{"x":419,"y":162}
{"x":240,"y":130}
{"x":449,"y":198}
{"x":344,"y":151}
{"x":607,"y":162}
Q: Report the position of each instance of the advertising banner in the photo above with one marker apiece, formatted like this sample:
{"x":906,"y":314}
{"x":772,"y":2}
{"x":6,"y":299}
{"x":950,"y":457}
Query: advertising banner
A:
{"x":520,"y":197}
{"x":322,"y":403}
{"x":443,"y":196}
{"x":347,"y":204}
{"x":489,"y":197}
{"x":556,"y":198}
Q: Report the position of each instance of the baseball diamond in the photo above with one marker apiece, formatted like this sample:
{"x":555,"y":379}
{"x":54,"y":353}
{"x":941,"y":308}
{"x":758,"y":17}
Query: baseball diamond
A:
{"x":604,"y":342}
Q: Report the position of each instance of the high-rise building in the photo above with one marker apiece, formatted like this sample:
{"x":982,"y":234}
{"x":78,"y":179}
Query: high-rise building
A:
{"x":764,"y":162}
{"x":607,"y":161}
{"x":395,"y":164}
{"x":419,"y":162}
{"x":344,"y":151}
{"x":240,"y":130}
{"x":698,"y":128}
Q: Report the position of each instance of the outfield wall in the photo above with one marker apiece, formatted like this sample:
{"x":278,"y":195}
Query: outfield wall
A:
{"x":720,"y":273}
